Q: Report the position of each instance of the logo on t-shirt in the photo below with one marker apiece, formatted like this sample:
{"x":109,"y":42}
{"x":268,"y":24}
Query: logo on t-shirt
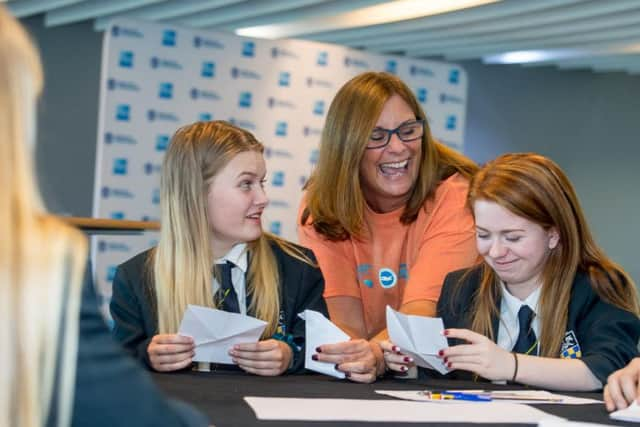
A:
{"x":570,"y":346}
{"x":387,"y":278}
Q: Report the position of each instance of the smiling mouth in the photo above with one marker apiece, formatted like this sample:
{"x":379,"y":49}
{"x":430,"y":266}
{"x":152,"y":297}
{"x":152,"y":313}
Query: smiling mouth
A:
{"x":256,"y":215}
{"x":504,"y":263}
{"x":395,"y":168}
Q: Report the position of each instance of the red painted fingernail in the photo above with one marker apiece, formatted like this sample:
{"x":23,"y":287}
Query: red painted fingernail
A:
{"x":446,"y":332}
{"x":446,"y":359}
{"x":318,"y":350}
{"x":314,"y":357}
{"x":403,"y":368}
{"x":449,"y":365}
{"x":337,"y":367}
{"x":348,"y":375}
{"x":395,"y":348}
{"x":407,"y":359}
{"x":441,"y":353}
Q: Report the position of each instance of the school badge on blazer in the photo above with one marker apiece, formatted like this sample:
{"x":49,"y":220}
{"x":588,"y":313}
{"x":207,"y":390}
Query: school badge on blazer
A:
{"x":570,"y":346}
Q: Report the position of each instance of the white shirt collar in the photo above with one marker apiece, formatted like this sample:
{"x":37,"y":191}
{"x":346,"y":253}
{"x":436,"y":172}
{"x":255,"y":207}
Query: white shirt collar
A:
{"x":512,"y":304}
{"x":238,"y":256}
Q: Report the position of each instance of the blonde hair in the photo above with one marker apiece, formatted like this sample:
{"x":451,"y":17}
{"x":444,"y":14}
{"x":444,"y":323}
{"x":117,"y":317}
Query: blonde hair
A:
{"x":182,"y":263}
{"x":351,"y":117}
{"x":534,"y":187}
{"x":41,"y":259}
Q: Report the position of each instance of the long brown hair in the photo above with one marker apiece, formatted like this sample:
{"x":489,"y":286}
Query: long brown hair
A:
{"x":351,"y":118}
{"x":535,"y":188}
{"x":182,"y":263}
{"x":41,"y":259}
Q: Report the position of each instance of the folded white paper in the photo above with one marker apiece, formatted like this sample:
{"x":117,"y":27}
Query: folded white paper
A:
{"x":318,"y":331}
{"x":515,"y":396}
{"x":630,"y":413}
{"x":216,"y":331}
{"x":419,"y":337}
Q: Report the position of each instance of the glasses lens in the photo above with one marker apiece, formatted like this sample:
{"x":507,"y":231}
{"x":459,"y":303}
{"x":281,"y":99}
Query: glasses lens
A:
{"x":410,"y":131}
{"x":378,"y":138}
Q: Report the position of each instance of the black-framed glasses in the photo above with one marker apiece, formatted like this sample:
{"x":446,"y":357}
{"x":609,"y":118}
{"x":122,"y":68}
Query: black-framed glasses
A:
{"x":407,"y":132}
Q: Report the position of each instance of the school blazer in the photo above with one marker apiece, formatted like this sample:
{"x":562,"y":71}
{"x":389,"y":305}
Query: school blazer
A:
{"x":110,"y":388}
{"x":603,"y":336}
{"x":133,"y":303}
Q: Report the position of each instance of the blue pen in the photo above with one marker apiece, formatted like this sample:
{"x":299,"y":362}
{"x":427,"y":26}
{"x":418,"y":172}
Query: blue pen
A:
{"x":472,"y":397}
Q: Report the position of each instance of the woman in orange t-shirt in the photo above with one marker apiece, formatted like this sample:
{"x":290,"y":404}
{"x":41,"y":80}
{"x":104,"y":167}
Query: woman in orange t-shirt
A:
{"x":385,"y":214}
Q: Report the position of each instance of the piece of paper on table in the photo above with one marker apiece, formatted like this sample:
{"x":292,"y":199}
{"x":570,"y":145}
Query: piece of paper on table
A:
{"x":564,"y":423}
{"x":419,"y":396}
{"x":419,"y":337}
{"x":395,"y":411}
{"x":318,"y":331}
{"x":630,"y":413}
{"x":216,"y":331}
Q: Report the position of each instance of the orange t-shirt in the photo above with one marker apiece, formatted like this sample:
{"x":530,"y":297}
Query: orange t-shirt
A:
{"x":398,"y":263}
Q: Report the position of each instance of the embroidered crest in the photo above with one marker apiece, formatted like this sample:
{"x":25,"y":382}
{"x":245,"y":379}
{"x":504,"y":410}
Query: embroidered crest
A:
{"x":570,"y":347}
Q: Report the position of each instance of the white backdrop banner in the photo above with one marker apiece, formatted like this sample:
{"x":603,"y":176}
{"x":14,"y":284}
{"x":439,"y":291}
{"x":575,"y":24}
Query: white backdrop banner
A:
{"x":156,"y":78}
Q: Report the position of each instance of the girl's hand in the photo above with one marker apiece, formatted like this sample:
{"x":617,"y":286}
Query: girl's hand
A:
{"x":170,"y":352}
{"x":480,"y":356}
{"x":359,"y":359}
{"x":394,"y":359}
{"x":267,"y":358}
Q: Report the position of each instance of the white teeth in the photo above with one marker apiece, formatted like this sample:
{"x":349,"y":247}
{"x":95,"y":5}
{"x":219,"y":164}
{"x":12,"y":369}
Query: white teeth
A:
{"x":397,"y":165}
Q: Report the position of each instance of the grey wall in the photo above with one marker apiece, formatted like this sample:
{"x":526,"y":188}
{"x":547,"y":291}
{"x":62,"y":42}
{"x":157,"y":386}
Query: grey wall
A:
{"x":587,"y":122}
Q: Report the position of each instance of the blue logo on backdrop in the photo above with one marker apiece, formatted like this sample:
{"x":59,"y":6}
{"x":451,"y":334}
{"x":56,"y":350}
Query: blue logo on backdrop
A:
{"x":311,"y":131}
{"x":116,"y":193}
{"x":165,"y":90}
{"x":280,"y":103}
{"x":205,"y":117}
{"x":248,"y":49}
{"x":148,"y":218}
{"x":161,"y":116}
{"x":313,"y":157}
{"x":150,"y":168}
{"x":416,"y":70}
{"x":278,"y":179}
{"x":126,"y":59}
{"x":208,"y":69}
{"x":277,"y":203}
{"x":113,"y":84}
{"x":123,"y":112}
{"x":169,"y":38}
{"x":119,"y":166}
{"x":355,"y":62}
{"x":199,"y":41}
{"x":245,"y":124}
{"x":323,"y":59}
{"x":274,"y":152}
{"x":283,"y":53}
{"x":162,"y":142}
{"x":421,"y":94}
{"x":117,"y":215}
{"x":454,"y":76}
{"x":155,"y":196}
{"x":275,"y":227}
{"x":452,"y":99}
{"x":209,"y":95}
{"x":281,"y":128}
{"x":387,"y":278}
{"x":111,"y":272}
{"x":119,"y":31}
{"x":391,"y":66}
{"x":451,"y":122}
{"x":284,"y":79}
{"x":245,"y":100}
{"x":318,"y":108}
{"x":170,"y":64}
{"x":113,"y":246}
{"x":311,"y":82}
{"x":119,"y":138}
{"x":244,"y":73}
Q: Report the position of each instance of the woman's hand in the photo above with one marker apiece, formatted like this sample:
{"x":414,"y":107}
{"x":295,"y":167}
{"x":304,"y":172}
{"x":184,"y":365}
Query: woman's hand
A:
{"x":267,"y":358}
{"x":480,"y":356}
{"x":359,"y":359}
{"x":623,"y":386}
{"x":170,"y":352}
{"x":395,"y":360}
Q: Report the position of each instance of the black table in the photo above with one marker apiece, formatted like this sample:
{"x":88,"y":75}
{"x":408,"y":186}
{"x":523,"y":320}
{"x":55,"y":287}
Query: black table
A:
{"x":220,"y":395}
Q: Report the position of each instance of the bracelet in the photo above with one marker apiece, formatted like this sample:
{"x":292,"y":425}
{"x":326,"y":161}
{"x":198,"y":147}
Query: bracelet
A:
{"x":515,"y":371}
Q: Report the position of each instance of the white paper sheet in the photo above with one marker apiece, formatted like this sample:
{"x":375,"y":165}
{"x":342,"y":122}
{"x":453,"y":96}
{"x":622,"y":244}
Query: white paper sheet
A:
{"x":561,"y":423}
{"x":318,"y":331}
{"x":630,"y":413}
{"x":419,"y":337}
{"x":418,"y":396}
{"x":396,"y":411}
{"x":216,"y":331}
